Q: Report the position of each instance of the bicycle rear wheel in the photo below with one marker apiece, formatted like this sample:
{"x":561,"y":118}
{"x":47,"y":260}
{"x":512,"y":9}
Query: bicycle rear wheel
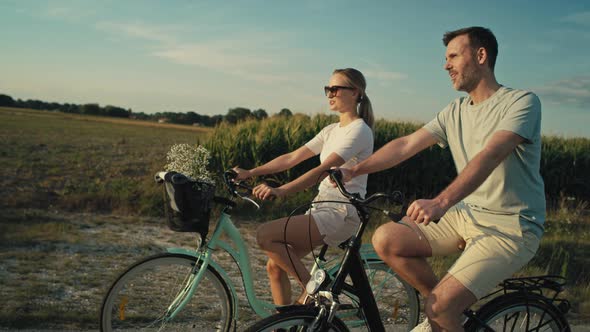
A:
{"x":141,"y":296}
{"x":295,"y":320}
{"x":516,"y":312}
{"x":398,"y":302}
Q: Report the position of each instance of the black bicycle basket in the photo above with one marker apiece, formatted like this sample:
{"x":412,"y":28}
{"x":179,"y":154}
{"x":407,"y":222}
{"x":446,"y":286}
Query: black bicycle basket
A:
{"x":191,"y":202}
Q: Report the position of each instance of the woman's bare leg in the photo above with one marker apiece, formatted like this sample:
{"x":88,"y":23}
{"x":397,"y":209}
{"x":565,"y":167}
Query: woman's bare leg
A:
{"x":285,"y":253}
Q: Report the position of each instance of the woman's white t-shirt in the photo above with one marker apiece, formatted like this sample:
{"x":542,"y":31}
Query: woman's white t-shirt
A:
{"x":353,"y":143}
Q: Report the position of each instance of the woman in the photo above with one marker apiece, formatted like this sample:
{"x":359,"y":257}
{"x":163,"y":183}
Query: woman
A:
{"x":342,"y":144}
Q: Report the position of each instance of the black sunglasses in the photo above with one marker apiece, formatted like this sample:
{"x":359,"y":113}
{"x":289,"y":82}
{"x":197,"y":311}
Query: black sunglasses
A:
{"x":334,"y":89}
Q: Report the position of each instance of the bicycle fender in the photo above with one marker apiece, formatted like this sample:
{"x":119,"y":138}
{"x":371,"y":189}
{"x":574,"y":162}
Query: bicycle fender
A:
{"x":217,"y":269}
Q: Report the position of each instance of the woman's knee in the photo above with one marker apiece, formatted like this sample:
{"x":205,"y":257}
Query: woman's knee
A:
{"x":263,"y":237}
{"x":273,"y":269}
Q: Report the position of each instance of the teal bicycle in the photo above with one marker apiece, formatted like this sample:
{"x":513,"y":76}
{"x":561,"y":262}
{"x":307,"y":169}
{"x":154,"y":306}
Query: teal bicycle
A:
{"x":186,"y":289}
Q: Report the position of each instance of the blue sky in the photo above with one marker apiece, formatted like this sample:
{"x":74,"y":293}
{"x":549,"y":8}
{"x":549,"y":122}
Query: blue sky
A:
{"x":209,"y":56}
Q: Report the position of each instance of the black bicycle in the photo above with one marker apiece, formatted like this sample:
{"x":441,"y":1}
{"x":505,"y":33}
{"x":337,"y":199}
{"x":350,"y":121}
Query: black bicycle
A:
{"x":521,"y":304}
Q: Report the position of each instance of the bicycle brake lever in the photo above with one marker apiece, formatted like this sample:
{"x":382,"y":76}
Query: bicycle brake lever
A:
{"x":251,"y":201}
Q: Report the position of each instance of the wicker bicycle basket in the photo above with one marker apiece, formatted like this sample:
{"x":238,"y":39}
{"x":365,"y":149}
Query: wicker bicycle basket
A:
{"x":190,"y":201}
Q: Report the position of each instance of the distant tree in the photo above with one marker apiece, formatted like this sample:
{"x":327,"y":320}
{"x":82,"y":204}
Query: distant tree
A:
{"x":285,"y":112}
{"x":143,"y":116}
{"x":92,"y":109}
{"x":34,"y":104}
{"x":215,"y":120}
{"x":115,"y":111}
{"x":260,"y":114}
{"x":6,"y":100}
{"x":53,"y":106}
{"x":237,"y":114}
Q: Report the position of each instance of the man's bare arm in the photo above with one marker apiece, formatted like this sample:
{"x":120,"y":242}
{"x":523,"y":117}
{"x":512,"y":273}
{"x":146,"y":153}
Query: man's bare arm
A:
{"x":395,"y":152}
{"x":473,"y":175}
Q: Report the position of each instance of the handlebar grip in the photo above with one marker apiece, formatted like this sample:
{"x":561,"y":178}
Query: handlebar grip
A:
{"x":336,"y":175}
{"x":398,"y":216}
{"x":231,"y":173}
{"x":395,"y":216}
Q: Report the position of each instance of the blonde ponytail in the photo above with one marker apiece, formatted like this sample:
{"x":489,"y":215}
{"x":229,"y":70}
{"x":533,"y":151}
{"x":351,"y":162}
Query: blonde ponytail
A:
{"x":365,"y":110}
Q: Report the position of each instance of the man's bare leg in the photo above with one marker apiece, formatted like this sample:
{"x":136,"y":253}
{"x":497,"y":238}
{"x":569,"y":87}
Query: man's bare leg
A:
{"x":445,"y":305}
{"x":405,"y":250}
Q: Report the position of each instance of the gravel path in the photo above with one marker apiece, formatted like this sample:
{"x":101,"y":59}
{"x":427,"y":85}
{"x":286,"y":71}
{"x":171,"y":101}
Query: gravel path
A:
{"x":56,"y":276}
{"x":55,"y":268}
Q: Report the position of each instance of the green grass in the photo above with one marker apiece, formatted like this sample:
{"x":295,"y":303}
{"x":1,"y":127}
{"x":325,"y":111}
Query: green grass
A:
{"x":59,"y":161}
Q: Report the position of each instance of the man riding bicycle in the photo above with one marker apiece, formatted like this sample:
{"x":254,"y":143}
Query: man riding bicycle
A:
{"x":493,"y":211}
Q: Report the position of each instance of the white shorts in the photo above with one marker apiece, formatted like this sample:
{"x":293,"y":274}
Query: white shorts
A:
{"x":336,"y":221}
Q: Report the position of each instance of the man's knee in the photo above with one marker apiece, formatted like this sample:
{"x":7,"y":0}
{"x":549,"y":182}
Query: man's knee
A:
{"x":390,"y":241}
{"x":437,"y":305}
{"x":382,"y":242}
{"x":448,"y":299}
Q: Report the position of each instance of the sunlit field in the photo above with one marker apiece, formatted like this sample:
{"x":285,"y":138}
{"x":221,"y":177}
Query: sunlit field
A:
{"x":79,"y":203}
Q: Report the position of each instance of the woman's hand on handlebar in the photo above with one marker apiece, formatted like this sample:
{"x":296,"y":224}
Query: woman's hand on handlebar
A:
{"x":242,"y":174}
{"x":346,"y":175}
{"x":264,"y":192}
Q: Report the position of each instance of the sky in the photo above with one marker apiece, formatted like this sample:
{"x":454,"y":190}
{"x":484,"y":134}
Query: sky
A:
{"x":210,"y":56}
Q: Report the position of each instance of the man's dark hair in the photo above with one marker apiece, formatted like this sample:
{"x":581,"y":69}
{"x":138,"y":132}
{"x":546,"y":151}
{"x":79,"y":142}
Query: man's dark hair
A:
{"x":478,"y":37}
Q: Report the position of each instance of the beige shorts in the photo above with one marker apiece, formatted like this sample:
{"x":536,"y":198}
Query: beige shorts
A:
{"x":495,"y":246}
{"x":336,"y":221}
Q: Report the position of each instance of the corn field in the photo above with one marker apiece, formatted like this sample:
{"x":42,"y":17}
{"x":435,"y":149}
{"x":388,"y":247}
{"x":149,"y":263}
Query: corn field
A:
{"x":564,"y":165}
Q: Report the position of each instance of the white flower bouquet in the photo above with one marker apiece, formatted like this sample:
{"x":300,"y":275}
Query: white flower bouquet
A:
{"x":190,"y":160}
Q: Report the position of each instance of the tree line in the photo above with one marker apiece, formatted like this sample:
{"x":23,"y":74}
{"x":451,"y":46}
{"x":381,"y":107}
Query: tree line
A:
{"x":234,"y":115}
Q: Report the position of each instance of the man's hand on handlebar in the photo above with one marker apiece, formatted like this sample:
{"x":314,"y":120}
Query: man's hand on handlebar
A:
{"x":425,"y":211}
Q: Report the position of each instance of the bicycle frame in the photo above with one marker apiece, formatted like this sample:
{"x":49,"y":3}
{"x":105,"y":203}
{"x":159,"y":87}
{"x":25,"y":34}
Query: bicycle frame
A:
{"x":240,"y":255}
{"x":352,"y":265}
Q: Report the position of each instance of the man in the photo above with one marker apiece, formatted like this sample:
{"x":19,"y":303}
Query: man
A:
{"x":494,"y":210}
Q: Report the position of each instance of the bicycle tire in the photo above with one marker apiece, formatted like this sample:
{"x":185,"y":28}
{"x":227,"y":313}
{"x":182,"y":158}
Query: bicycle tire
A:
{"x":139,"y":298}
{"x":511,"y":312}
{"x":397,"y":301}
{"x":295,"y":320}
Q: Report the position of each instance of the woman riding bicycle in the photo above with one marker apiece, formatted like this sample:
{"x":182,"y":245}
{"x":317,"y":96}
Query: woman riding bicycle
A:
{"x":342,"y":144}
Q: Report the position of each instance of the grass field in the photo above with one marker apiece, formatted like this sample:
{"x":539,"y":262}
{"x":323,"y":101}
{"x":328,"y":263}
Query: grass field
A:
{"x":76,"y":191}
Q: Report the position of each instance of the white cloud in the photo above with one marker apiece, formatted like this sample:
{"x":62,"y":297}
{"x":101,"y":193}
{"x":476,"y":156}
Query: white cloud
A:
{"x":574,"y":91}
{"x":142,"y":31}
{"x":66,"y":11}
{"x":386,"y":75}
{"x":251,"y":55}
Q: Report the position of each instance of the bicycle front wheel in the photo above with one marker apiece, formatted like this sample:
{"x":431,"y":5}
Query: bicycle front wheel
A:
{"x":295,"y":320}
{"x":519,"y":313}
{"x":143,"y":297}
{"x":397,"y":301}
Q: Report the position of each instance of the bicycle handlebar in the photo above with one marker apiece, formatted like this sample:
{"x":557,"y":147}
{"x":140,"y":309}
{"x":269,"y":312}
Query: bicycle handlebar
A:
{"x":396,"y":196}
{"x":336,"y":176}
{"x":233,"y":187}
